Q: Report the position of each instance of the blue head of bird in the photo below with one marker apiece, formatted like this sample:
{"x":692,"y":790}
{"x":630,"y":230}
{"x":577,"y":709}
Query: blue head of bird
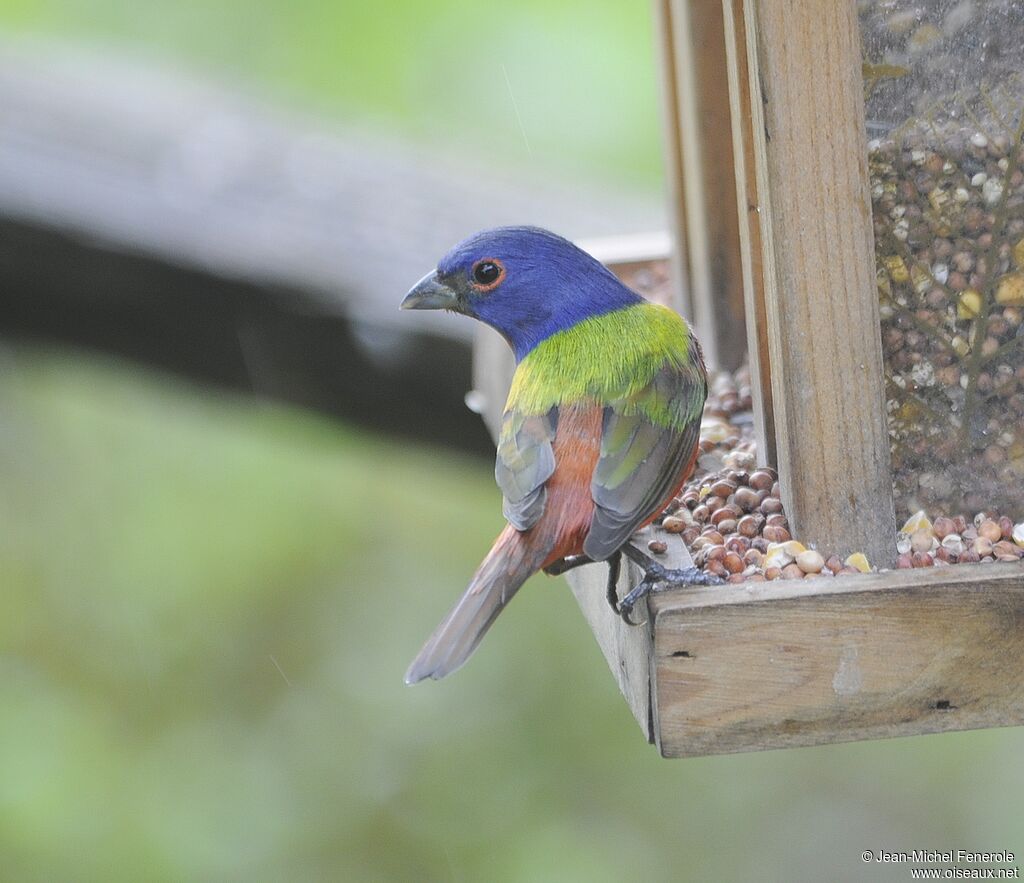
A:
{"x":525,"y":282}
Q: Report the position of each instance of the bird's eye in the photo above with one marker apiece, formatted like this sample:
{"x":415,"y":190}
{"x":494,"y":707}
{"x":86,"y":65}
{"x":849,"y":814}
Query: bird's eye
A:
{"x":488,"y":273}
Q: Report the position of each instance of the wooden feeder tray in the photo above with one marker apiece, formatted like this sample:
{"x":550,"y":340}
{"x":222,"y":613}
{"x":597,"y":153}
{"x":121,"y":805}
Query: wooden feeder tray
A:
{"x":806,"y":662}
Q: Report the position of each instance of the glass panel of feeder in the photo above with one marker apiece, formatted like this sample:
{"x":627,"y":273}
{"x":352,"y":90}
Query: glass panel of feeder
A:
{"x":944,"y":94}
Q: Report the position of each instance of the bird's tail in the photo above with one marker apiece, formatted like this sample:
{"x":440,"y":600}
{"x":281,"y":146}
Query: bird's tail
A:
{"x":511,"y":561}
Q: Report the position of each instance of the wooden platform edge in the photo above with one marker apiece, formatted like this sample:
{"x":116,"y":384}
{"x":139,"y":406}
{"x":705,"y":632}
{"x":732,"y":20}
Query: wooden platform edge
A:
{"x":628,"y":650}
{"x":783,"y":665}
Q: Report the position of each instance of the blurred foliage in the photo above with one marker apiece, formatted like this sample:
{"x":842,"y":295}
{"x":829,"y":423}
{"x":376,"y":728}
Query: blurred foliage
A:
{"x":209,"y":607}
{"x":510,"y":79}
{"x":210,"y":602}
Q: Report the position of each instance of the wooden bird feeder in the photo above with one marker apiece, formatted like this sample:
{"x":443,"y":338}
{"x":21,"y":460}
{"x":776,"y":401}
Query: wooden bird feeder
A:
{"x":848,"y":198}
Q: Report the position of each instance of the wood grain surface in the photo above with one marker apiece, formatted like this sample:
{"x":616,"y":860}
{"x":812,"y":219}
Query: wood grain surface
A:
{"x":749,"y":228}
{"x":627,"y":649}
{"x":704,"y":204}
{"x":824,"y":344}
{"x":807,"y":662}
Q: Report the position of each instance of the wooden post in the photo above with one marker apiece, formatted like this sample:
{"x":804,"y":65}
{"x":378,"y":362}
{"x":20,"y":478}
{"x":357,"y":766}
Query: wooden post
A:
{"x":668,"y":58}
{"x":824,"y":342}
{"x":748,"y":209}
{"x":701,"y":158}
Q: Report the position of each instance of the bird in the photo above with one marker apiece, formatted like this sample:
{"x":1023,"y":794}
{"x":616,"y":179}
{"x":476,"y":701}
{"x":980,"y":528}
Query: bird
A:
{"x":599,"y":432}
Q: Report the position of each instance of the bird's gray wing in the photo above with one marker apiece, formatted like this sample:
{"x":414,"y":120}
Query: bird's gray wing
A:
{"x":648,"y":439}
{"x":524,"y":463}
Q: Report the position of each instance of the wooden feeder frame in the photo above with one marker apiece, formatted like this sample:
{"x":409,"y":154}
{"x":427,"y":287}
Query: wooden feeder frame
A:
{"x":764,"y":106}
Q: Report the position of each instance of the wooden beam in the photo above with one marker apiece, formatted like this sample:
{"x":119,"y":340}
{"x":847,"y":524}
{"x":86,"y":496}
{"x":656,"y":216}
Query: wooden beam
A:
{"x":144,"y":161}
{"x":824,"y":344}
{"x":808,"y":662}
{"x":705,"y":199}
{"x":748,"y":211}
{"x":252,"y":338}
{"x":668,"y":58}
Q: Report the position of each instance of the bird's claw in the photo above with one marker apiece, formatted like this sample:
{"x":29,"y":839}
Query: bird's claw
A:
{"x":657,"y":579}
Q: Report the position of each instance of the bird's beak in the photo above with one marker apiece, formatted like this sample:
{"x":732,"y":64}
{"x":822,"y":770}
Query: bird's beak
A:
{"x":430,"y":294}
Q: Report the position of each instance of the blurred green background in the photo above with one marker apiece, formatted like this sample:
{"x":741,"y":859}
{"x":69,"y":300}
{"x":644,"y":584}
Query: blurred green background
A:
{"x":210,"y":601}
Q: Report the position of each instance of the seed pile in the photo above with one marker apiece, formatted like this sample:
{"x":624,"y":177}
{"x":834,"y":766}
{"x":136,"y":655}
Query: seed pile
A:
{"x":959,"y":540}
{"x":730,"y":514}
{"x":732,"y":518}
{"x":944,"y":100}
{"x":734,"y":523}
{"x":948,"y":209}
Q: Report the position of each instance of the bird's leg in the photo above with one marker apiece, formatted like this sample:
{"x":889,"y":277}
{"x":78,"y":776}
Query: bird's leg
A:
{"x":614,"y":568}
{"x":657,"y":578}
{"x":569,"y":562}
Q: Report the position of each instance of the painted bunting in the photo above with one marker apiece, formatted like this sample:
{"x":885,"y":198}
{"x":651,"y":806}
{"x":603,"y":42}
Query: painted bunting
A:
{"x":600,"y":429}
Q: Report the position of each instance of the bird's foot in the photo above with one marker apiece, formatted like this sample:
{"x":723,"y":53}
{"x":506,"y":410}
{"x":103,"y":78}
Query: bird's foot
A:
{"x":658,"y":578}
